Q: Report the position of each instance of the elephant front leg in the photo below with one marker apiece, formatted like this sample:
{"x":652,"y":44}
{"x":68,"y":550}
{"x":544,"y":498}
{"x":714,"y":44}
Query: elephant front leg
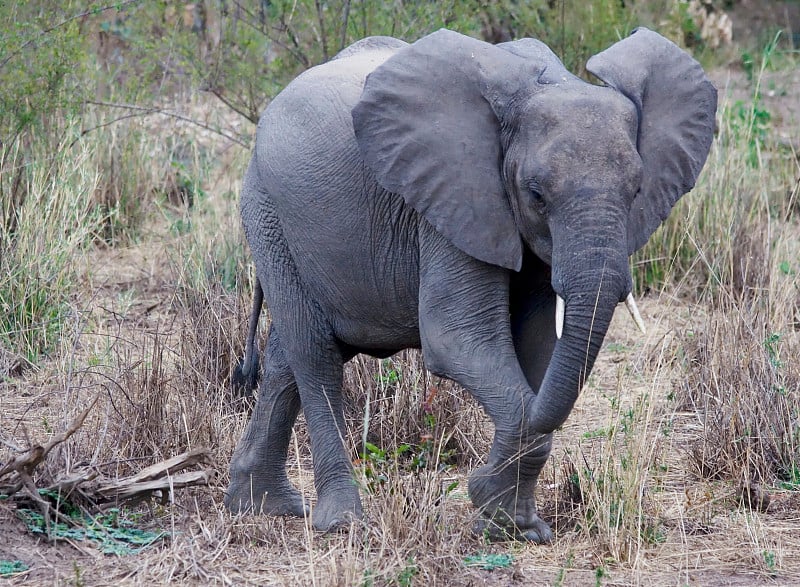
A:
{"x":258,"y":469}
{"x":467,"y":335}
{"x":504,"y":488}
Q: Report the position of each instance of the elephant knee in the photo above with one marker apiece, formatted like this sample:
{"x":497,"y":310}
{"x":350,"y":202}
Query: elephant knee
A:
{"x":437,"y":358}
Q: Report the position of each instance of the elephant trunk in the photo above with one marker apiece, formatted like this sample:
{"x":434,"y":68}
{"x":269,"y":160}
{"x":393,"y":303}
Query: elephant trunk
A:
{"x":591,"y":296}
{"x":585,"y":327}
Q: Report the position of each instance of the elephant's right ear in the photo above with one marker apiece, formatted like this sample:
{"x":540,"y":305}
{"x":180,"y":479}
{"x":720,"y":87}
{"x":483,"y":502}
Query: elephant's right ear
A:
{"x":429,"y":134}
{"x":676,"y":104}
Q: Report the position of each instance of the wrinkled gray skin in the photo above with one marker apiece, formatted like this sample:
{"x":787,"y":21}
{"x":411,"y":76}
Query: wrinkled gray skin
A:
{"x":442,"y":204}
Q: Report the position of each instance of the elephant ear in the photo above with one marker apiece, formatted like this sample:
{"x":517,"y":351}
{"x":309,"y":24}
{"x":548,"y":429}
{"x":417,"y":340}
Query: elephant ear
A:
{"x":677,"y":105}
{"x":426,"y":127}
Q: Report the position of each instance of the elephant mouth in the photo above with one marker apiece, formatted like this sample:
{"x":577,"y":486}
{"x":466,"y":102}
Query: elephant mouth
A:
{"x":630,"y":304}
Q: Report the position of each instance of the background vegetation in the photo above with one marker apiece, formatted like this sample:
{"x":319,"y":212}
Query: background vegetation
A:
{"x":124,"y":130}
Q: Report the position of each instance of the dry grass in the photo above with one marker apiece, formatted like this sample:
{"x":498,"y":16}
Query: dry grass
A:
{"x":646,"y":481}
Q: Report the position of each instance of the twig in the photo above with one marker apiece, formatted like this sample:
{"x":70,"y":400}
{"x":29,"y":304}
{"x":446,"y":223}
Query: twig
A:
{"x":148,"y":110}
{"x":20,"y":469}
{"x":27,"y":462}
{"x":252,"y":117}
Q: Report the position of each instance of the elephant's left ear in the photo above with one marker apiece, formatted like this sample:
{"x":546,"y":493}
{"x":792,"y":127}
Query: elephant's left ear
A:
{"x":677,"y":105}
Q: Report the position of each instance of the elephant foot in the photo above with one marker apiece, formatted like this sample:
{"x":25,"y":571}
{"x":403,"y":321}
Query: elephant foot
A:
{"x":507,"y":506}
{"x":336,"y":511}
{"x":283,"y":501}
{"x":538,"y":532}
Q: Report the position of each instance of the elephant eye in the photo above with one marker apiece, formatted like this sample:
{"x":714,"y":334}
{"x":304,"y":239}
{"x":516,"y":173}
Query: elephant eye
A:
{"x":538,"y":199}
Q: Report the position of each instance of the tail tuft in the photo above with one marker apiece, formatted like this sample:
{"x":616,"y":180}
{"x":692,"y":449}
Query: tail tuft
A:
{"x":245,"y":377}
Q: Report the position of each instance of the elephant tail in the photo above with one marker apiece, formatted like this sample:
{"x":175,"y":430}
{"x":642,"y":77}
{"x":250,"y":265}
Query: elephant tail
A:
{"x":246,"y":375}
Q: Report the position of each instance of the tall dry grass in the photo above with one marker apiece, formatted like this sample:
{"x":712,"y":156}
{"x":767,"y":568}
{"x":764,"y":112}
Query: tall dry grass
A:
{"x":42,"y":235}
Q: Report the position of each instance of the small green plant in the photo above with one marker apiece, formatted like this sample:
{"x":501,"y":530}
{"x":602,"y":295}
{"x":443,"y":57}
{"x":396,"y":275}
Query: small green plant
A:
{"x":599,"y":574}
{"x":375,"y":462}
{"x":77,"y":581}
{"x":562,"y":572}
{"x":769,"y":560}
{"x":405,"y":577}
{"x":791,"y":478}
{"x":772,"y":346}
{"x":11,"y":568}
{"x":389,"y":374}
{"x":489,"y":561}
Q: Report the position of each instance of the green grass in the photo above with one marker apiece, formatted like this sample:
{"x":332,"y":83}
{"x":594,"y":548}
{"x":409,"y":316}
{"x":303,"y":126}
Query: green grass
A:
{"x":46,"y":236}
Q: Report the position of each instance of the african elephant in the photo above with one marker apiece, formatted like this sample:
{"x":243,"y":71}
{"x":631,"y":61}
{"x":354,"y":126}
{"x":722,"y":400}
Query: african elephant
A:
{"x":476,"y":201}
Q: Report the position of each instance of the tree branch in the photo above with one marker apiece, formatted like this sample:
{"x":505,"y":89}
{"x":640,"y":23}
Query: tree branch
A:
{"x":345,"y":21}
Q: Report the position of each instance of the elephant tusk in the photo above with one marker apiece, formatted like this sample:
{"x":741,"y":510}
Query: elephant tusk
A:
{"x":559,"y":315}
{"x":630,"y":303}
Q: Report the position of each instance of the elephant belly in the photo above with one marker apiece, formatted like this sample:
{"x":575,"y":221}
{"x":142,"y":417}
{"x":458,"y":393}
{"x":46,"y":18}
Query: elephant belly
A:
{"x":365,"y":276}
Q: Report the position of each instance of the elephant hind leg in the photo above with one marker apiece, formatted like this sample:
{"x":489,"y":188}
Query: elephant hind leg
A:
{"x":312,"y":354}
{"x":258,"y":468}
{"x":319,"y":377}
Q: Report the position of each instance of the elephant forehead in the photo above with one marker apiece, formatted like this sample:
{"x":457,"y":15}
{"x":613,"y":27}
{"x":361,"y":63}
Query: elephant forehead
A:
{"x":580,"y":109}
{"x":574,"y":140}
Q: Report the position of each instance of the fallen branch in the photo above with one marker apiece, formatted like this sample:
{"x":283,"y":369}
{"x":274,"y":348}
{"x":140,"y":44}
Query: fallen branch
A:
{"x":136,"y":492}
{"x":162,"y":478}
{"x":19,"y":470}
{"x":159,"y":480}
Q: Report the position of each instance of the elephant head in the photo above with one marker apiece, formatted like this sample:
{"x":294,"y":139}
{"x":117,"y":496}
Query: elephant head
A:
{"x":500,"y":147}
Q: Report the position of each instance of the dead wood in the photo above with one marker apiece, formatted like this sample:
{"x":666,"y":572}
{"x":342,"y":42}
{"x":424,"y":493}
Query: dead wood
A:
{"x":159,"y":480}
{"x":19,"y":470}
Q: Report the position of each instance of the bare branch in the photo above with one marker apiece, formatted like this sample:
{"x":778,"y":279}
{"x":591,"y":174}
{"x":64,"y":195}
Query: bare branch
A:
{"x":345,"y":21}
{"x":322,"y":34}
{"x":148,"y":110}
{"x":248,"y":114}
{"x":27,"y":462}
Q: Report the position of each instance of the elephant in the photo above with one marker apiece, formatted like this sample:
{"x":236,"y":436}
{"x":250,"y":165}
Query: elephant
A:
{"x":475,"y":201}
